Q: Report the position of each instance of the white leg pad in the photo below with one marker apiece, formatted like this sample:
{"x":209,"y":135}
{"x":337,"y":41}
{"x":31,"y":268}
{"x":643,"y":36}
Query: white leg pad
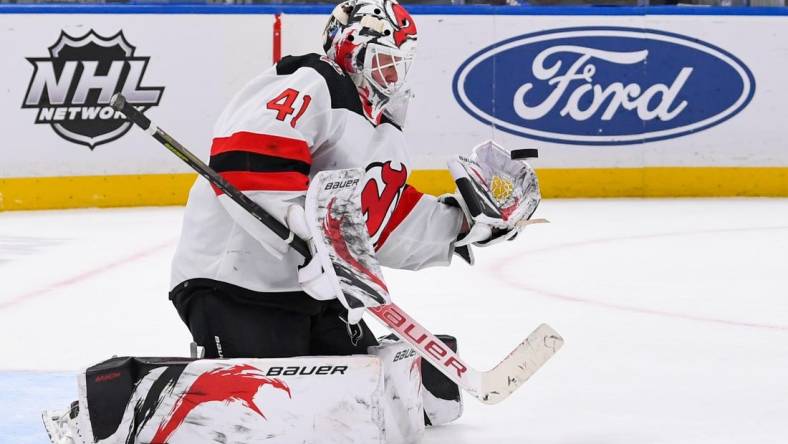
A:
{"x":402,"y":402}
{"x":295,"y":400}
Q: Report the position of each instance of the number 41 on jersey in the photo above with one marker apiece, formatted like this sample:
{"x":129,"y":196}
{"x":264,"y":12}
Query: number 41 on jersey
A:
{"x":283,"y":105}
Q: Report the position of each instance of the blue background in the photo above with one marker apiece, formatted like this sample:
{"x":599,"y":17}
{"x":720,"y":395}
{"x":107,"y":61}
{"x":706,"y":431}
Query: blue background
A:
{"x":712,"y":87}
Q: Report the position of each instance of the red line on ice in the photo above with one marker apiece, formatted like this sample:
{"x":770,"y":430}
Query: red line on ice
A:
{"x":499,"y":270}
{"x":24,"y":297}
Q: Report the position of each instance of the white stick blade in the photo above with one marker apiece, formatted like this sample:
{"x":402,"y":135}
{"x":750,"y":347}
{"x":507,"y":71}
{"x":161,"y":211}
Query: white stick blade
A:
{"x":500,"y":382}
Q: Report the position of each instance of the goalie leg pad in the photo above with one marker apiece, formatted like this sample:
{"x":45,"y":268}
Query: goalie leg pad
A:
{"x":402,"y":402}
{"x":442,"y":397}
{"x":178,"y":401}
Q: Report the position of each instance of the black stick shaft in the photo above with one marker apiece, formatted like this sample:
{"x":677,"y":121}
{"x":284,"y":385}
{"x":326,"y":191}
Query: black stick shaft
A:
{"x":119,"y":103}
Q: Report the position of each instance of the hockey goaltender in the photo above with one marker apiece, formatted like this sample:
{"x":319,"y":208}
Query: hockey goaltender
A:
{"x":281,"y":352}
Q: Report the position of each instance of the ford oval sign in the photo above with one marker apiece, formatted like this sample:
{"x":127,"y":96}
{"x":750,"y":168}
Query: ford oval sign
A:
{"x":603,"y":85}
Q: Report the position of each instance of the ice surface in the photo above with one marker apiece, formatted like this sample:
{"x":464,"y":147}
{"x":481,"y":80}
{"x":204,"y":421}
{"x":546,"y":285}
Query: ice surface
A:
{"x":674,"y":312}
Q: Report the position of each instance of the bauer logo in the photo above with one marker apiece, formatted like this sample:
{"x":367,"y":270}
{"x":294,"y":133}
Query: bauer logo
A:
{"x":71,"y":88}
{"x":603,"y":85}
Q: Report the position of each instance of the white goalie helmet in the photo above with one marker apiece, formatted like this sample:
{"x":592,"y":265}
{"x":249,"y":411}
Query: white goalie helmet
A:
{"x":374,"y":41}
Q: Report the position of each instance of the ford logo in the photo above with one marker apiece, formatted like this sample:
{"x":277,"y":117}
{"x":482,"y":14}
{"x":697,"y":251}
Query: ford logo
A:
{"x":603,"y":85}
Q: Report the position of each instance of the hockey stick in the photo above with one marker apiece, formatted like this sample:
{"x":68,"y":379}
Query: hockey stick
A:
{"x":489,"y":387}
{"x":119,"y":103}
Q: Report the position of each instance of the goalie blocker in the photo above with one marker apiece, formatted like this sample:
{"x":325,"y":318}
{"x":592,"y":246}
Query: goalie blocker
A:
{"x":384,"y":397}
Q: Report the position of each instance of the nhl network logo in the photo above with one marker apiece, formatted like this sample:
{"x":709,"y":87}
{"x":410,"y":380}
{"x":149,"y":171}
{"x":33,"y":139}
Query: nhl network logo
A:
{"x":71,"y":89}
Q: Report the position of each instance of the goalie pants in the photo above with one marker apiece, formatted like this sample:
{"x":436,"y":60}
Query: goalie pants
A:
{"x":232,"y":322}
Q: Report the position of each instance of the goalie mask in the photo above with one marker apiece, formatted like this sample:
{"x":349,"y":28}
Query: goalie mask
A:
{"x":374,"y":41}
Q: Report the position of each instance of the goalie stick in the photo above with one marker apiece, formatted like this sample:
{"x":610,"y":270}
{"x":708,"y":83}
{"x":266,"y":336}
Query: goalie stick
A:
{"x":489,"y":387}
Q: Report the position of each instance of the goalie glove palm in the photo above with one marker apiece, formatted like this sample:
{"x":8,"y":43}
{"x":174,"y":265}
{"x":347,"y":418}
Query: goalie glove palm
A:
{"x":496,"y":194}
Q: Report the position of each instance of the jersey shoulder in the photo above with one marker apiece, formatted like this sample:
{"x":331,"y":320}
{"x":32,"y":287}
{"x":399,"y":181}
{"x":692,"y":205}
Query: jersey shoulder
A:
{"x":340,"y":87}
{"x":342,"y":90}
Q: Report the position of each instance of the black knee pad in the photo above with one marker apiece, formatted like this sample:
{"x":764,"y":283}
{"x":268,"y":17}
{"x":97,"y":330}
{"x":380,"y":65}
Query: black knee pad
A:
{"x":110,"y":384}
{"x":442,"y":398}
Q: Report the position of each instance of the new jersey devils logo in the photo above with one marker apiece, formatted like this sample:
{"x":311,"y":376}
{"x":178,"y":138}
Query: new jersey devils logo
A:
{"x":406,"y":27}
{"x":237,"y":383}
{"x":380,"y":195}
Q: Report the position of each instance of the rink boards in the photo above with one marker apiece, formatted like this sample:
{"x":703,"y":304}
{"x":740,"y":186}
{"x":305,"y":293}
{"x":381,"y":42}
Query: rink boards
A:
{"x":678,"y":102}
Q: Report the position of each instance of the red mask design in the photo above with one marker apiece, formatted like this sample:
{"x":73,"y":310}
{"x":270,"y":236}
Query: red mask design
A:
{"x":406,"y":27}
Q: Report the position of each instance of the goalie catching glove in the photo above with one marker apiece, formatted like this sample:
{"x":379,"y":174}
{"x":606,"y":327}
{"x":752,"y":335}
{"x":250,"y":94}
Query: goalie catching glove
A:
{"x":496,"y":194}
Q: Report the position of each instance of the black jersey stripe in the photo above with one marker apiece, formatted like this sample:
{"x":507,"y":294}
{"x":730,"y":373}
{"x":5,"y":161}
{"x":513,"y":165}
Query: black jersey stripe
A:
{"x":254,"y":162}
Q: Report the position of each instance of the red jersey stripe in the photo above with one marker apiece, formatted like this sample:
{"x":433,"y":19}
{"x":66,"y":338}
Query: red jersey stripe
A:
{"x":253,"y":181}
{"x":410,"y":197}
{"x":266,"y":144}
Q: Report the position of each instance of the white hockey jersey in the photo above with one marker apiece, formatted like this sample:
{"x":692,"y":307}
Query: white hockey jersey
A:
{"x":297,"y":118}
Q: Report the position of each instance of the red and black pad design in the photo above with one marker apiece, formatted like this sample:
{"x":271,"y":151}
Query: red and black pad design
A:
{"x":341,"y":234}
{"x":109,"y":386}
{"x":338,"y":233}
{"x":237,"y":383}
{"x":146,"y":407}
